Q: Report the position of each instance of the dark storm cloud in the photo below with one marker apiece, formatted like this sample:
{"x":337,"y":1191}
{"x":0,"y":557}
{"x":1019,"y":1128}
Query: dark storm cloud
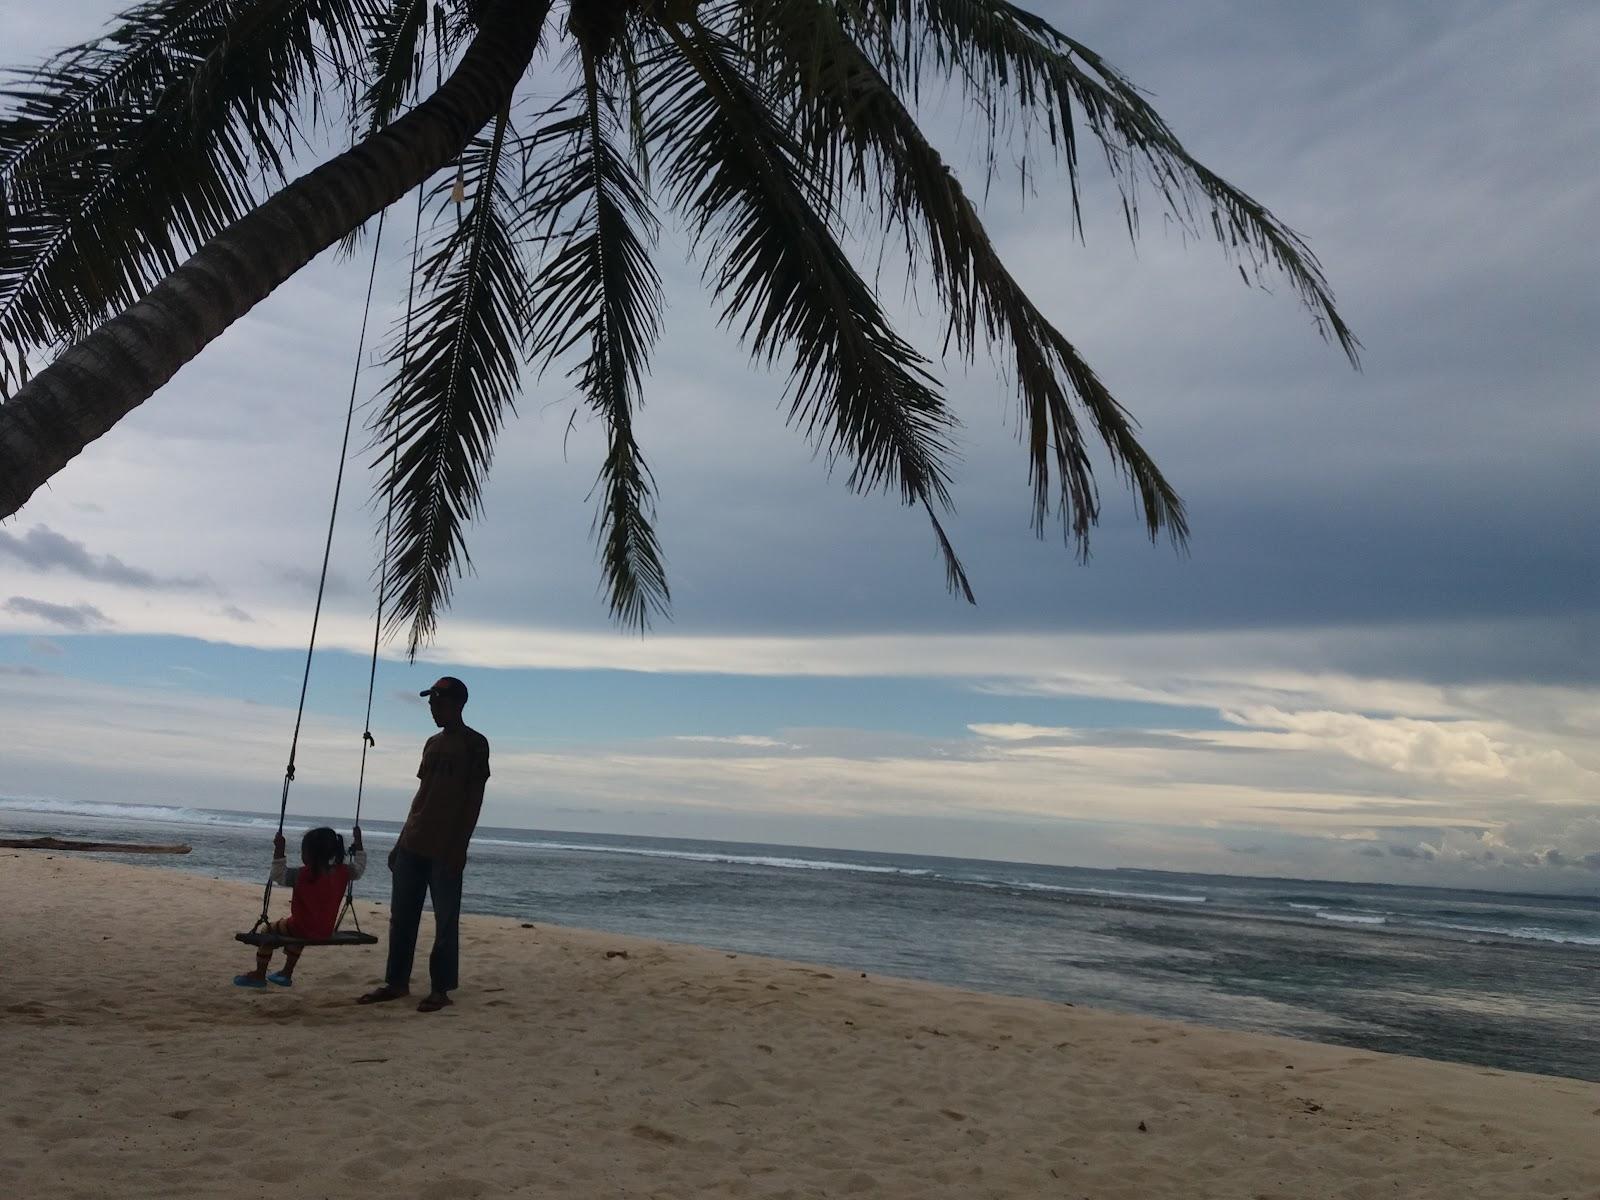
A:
{"x":1441,"y":499}
{"x":43,"y":549}
{"x":77,"y":618}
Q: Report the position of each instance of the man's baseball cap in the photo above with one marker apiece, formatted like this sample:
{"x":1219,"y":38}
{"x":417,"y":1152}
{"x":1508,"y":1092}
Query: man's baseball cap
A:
{"x":448,"y":686}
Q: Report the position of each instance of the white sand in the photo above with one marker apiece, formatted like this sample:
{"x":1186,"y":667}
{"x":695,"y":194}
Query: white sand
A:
{"x":134,"y":1068}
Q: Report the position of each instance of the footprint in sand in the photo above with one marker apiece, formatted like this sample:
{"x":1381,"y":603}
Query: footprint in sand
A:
{"x":651,"y":1134}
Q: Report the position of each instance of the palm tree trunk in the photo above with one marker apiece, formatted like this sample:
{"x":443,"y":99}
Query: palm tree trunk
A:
{"x":102,"y":378}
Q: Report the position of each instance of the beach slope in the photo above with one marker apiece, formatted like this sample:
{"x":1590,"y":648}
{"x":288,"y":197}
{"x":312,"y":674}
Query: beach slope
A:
{"x":567,"y":1069}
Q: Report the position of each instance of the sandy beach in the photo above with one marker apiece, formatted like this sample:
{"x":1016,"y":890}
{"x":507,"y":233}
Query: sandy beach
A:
{"x":585,"y":1064}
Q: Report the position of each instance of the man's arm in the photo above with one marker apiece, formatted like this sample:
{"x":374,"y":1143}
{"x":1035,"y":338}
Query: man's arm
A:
{"x":411,"y":813}
{"x":471,"y":806}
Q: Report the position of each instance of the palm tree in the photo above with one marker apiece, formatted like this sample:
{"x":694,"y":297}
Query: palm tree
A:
{"x":145,"y":205}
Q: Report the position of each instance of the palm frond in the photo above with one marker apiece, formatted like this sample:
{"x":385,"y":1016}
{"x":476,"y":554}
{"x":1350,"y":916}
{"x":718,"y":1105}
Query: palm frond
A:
{"x":397,"y":43}
{"x":1021,"y":72}
{"x":598,"y":289}
{"x":857,"y":388}
{"x":850,"y":102}
{"x":119,"y":157}
{"x":397,"y":39}
{"x":454,"y":23}
{"x":451,"y":385}
{"x":638,"y":129}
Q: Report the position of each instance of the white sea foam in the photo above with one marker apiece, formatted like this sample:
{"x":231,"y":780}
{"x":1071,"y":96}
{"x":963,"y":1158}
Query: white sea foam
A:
{"x":162,"y":813}
{"x":754,"y":860}
{"x":1344,"y":918}
{"x":1156,"y":897}
{"x":1531,"y":933}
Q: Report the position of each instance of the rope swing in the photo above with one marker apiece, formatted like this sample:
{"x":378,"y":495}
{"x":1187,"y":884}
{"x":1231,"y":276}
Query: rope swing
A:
{"x":261,"y":933}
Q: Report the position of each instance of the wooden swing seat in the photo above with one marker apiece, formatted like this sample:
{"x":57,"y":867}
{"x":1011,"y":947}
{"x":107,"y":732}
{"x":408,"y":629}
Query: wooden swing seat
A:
{"x":339,"y":937}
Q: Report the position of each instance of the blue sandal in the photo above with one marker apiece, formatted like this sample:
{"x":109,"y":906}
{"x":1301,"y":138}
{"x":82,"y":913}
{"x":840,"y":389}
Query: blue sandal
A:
{"x":249,"y":981}
{"x":279,"y":978}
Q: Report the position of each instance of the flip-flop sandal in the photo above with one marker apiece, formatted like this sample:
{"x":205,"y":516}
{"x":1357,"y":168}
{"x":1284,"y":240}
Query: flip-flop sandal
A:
{"x":434,"y":1003}
{"x":279,"y":978}
{"x":249,"y":981}
{"x":381,"y":995}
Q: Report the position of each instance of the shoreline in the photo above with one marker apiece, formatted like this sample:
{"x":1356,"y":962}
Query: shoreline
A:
{"x":677,"y":1070}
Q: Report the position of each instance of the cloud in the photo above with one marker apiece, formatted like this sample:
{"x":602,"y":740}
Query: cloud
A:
{"x":43,"y":549}
{"x":748,"y":740}
{"x":1020,"y":732}
{"x":304,"y":579}
{"x":45,"y":647}
{"x":1020,"y":737}
{"x":78,"y":618}
{"x":1464,"y":752}
{"x":1565,"y":842}
{"x":234,"y":613}
{"x":1422,"y":852}
{"x":1179,"y":803}
{"x":1457,"y":750}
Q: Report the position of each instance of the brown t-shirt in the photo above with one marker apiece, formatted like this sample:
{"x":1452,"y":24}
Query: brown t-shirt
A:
{"x":444,"y":812}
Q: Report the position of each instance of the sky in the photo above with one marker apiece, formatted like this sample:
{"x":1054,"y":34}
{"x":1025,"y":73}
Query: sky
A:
{"x":1378,"y":660}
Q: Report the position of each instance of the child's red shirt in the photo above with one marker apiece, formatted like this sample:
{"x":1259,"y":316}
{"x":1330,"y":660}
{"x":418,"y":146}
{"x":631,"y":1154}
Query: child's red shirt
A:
{"x":316,"y":901}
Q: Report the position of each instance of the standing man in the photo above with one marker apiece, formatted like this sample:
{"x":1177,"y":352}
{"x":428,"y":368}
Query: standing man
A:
{"x":432,"y":851}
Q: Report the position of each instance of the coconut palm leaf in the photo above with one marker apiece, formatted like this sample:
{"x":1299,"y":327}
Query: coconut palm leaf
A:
{"x":397,"y":40}
{"x":857,"y":388}
{"x":397,"y":45}
{"x":1022,"y":72}
{"x":450,"y":389}
{"x":120,"y":157}
{"x":773,"y":125}
{"x":599,"y":290}
{"x":848,"y":101}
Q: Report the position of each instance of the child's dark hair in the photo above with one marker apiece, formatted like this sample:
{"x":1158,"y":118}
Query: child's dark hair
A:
{"x":321,"y":849}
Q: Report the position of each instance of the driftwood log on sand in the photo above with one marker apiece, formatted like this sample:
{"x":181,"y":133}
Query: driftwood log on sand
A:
{"x":50,"y":843}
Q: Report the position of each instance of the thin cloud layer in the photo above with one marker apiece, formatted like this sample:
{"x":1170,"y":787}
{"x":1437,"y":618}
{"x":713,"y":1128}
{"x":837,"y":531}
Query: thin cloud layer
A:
{"x":75,"y":618}
{"x":43,"y":549}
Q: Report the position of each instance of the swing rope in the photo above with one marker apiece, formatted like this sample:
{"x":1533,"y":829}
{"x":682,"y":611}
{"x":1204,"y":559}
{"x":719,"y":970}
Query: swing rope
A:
{"x":322,"y":584}
{"x":367,"y":740}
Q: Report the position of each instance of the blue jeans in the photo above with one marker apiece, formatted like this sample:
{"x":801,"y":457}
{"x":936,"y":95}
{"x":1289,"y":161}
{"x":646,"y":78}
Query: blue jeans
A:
{"x":414,"y":878}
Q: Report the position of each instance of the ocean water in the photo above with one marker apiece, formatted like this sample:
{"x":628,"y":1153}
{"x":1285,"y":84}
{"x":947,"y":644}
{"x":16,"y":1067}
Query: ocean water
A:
{"x":1509,"y":981}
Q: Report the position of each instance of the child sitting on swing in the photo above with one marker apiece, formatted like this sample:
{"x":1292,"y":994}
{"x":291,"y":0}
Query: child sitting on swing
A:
{"x":317,"y":897}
